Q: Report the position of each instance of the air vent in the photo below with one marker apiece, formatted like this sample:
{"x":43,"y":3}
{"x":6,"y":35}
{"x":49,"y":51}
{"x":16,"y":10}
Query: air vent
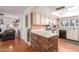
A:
{"x":59,"y":8}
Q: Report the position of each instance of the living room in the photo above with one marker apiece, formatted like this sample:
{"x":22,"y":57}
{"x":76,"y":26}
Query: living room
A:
{"x":10,"y":26}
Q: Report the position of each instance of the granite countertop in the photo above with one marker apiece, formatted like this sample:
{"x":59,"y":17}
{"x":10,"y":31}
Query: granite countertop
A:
{"x":47,"y":34}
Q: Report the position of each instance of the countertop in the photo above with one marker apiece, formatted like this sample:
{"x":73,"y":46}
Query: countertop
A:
{"x":44,"y":33}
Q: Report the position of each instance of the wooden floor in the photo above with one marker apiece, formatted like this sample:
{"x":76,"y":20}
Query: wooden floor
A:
{"x":66,"y":46}
{"x":16,"y":45}
{"x":19,"y":45}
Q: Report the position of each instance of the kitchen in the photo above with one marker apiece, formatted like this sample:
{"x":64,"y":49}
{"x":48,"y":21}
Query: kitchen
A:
{"x":45,"y":24}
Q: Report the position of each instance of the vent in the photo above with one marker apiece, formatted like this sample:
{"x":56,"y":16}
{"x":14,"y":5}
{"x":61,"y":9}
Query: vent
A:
{"x":59,"y":8}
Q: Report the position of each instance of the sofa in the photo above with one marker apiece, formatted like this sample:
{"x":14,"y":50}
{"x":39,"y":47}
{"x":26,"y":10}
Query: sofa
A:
{"x":7,"y":35}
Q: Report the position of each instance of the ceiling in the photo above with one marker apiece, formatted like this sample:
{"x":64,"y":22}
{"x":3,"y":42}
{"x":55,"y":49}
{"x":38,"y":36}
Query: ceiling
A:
{"x":17,"y":10}
{"x":13,"y":10}
{"x":47,"y":10}
{"x":66,"y":12}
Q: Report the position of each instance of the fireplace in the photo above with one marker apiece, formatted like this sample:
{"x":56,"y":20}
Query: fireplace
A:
{"x":62,"y":34}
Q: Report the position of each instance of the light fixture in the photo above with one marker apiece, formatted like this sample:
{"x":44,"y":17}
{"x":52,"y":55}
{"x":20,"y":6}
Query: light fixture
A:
{"x":65,"y":10}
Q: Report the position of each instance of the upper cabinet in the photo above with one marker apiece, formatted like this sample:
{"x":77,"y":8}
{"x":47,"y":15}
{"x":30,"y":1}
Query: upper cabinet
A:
{"x":40,"y":19}
{"x":70,"y":22}
{"x":47,"y":19}
{"x":34,"y":18}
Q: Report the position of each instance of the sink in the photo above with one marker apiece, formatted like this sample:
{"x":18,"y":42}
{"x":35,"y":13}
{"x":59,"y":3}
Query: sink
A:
{"x":46,"y":33}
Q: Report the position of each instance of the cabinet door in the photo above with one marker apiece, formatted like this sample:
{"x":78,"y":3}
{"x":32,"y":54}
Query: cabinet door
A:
{"x":72,"y":34}
{"x":75,"y":35}
{"x":77,"y":23}
{"x":69,"y":34}
{"x":72,"y":23}
{"x":42,"y":20}
{"x":38,"y":19}
{"x":62,"y":23}
{"x":34,"y":18}
{"x":47,"y":21}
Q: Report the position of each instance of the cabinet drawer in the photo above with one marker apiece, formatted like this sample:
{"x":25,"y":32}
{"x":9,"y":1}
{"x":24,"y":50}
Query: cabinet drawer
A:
{"x":35,"y":49}
{"x":43,"y":41}
{"x":54,"y":42}
{"x":53,"y":48}
{"x":53,"y":39}
{"x":35,"y":45}
{"x":34,"y":37}
{"x":44,"y":48}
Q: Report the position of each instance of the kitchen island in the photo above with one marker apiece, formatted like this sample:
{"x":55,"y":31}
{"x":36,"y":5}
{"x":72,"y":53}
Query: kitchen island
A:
{"x":44,"y":41}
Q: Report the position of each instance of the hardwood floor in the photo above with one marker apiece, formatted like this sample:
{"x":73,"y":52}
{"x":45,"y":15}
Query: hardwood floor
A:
{"x":16,"y":45}
{"x":66,"y":46}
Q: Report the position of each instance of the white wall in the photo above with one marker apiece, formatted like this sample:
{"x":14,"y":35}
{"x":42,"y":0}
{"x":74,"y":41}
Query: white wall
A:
{"x":7,"y":20}
{"x":3,"y":28}
{"x":6,"y":23}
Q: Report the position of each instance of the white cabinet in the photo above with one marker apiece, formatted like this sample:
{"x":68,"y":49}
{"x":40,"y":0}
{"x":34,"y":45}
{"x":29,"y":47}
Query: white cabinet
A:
{"x":71,"y":25}
{"x":65,"y":23}
{"x":40,"y":19}
{"x":34,"y":18}
{"x":72,"y":34}
{"x":47,"y":19}
{"x":69,"y":34}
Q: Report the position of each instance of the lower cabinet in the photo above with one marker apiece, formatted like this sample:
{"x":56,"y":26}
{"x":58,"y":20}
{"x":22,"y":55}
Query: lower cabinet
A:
{"x":43,"y":44}
{"x":72,"y":34}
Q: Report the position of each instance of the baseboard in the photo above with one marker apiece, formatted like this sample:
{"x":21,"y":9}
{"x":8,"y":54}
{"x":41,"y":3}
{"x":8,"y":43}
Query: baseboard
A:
{"x":72,"y":40}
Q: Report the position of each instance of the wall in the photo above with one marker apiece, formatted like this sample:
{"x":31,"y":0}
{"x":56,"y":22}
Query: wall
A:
{"x":3,"y":28}
{"x":6,"y":23}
